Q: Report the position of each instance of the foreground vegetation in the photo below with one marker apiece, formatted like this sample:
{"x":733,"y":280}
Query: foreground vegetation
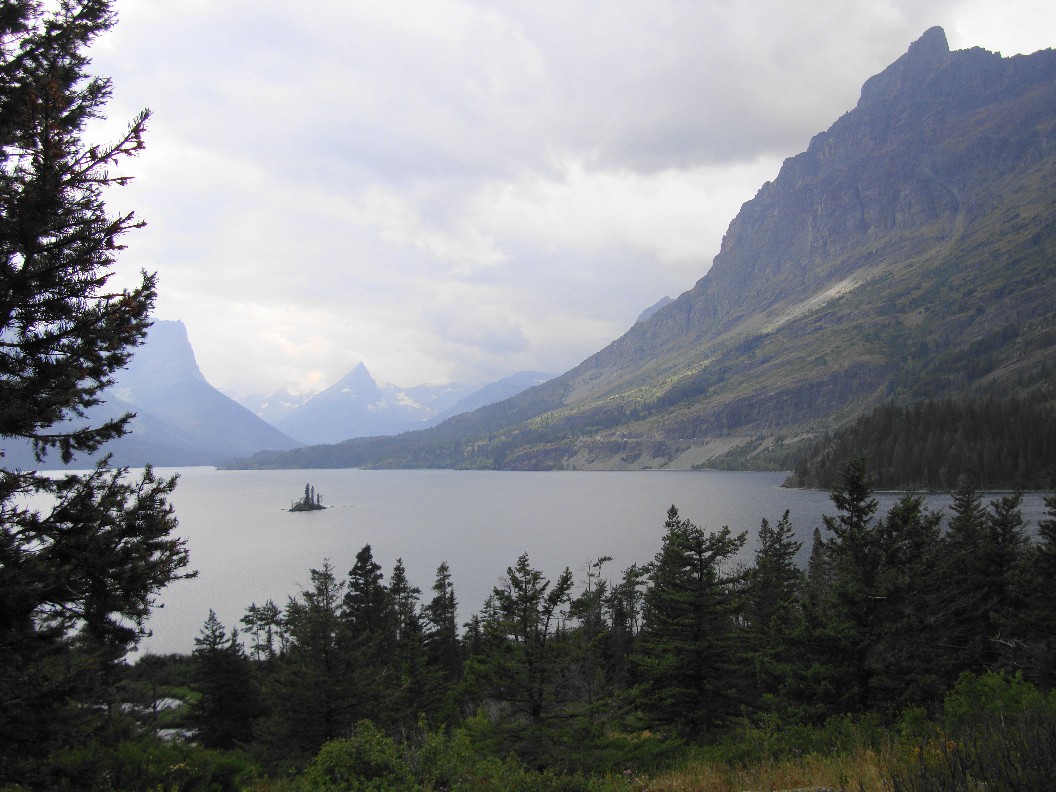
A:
{"x":914,"y":652}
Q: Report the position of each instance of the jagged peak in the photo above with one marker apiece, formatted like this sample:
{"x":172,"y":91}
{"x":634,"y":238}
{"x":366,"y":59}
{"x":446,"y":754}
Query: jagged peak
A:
{"x":166,"y":355}
{"x":925,"y":56}
{"x":931,"y":45}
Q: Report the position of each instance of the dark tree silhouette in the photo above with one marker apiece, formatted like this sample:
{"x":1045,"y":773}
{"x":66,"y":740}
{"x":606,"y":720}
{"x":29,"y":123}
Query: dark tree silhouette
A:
{"x":79,"y":568}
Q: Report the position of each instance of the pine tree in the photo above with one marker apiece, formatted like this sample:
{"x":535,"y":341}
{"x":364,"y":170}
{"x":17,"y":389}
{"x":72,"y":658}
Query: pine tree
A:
{"x":441,"y":631}
{"x":79,"y":570}
{"x":414,"y":688}
{"x":1040,"y":606}
{"x":229,"y":701}
{"x":266,"y":625}
{"x":689,"y":649}
{"x":624,"y":605}
{"x":587,"y":678}
{"x":913,"y":607}
{"x":772,"y":608}
{"x":370,"y":621}
{"x":519,"y":661}
{"x":1006,"y":576}
{"x":849,"y":614}
{"x":963,"y":572}
{"x":313,"y":690}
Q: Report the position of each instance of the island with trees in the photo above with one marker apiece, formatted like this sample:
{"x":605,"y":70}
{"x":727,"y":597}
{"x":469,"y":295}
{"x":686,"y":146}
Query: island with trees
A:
{"x":312,"y":501}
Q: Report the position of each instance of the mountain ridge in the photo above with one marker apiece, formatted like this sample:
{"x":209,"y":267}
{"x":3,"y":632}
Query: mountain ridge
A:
{"x":917,"y":227}
{"x":357,"y":406}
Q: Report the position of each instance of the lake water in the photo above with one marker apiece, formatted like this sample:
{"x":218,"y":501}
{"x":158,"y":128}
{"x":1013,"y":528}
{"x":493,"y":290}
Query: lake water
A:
{"x":247,"y":548}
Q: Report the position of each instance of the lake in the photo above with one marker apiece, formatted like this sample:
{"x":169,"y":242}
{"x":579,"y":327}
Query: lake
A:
{"x":247,"y":548}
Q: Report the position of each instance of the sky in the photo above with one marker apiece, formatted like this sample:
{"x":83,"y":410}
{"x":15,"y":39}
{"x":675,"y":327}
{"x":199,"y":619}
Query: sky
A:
{"x":454,"y":191}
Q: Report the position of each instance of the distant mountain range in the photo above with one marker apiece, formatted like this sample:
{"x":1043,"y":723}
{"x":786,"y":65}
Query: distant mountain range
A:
{"x":180,"y":419}
{"x":908,"y":253}
{"x":356,"y":406}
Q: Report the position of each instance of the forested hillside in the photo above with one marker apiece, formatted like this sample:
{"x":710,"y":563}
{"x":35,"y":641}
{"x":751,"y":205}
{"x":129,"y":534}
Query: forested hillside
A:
{"x":999,"y":443}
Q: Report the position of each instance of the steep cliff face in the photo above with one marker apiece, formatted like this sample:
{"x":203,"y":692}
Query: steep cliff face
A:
{"x":920,"y":158}
{"x":909,"y":252}
{"x":180,"y":419}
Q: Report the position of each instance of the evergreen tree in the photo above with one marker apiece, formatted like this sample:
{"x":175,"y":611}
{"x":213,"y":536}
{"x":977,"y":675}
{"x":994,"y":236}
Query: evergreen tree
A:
{"x":1040,"y":606}
{"x":848,"y":614}
{"x":963,"y":572}
{"x":520,"y":661}
{"x":441,"y":629}
{"x":367,"y":604}
{"x":624,"y":604}
{"x":266,"y":625}
{"x":689,"y":649}
{"x":913,"y":609}
{"x":80,"y":568}
{"x":586,"y":678}
{"x":415,"y":684}
{"x":815,"y":691}
{"x":370,"y":620}
{"x":228,"y":699}
{"x":772,"y":610}
{"x":1006,"y":575}
{"x":313,"y":690}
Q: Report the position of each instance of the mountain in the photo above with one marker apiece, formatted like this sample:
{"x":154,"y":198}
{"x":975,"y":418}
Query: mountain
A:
{"x":647,"y":314}
{"x":180,"y":418}
{"x":276,"y":406}
{"x":908,"y":253}
{"x":357,"y":406}
{"x":497,"y":391}
{"x":354,"y":406}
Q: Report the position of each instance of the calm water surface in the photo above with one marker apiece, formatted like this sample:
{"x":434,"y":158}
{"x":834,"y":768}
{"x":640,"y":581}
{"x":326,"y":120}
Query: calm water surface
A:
{"x":248,"y":548}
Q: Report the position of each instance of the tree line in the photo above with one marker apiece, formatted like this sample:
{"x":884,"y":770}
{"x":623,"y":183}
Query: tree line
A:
{"x":890,"y":610}
{"x":992,"y":442}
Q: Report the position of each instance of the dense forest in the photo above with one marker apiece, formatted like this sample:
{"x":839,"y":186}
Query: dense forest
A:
{"x":992,"y":442}
{"x":601,"y":681}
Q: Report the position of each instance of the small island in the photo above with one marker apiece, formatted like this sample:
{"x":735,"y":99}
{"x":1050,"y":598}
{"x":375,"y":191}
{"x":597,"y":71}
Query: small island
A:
{"x":312,"y":501}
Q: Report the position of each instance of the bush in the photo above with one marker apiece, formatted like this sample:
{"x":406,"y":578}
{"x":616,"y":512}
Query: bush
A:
{"x":368,"y":761}
{"x":1000,"y":734}
{"x":149,"y":763}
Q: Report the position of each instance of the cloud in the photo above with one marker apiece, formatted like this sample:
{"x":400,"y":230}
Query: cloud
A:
{"x":458,"y":188}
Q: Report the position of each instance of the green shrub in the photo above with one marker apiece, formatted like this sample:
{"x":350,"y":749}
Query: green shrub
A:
{"x":443,"y":759}
{"x":368,"y":761}
{"x":991,"y":696}
{"x":999,"y":734}
{"x":149,"y":763}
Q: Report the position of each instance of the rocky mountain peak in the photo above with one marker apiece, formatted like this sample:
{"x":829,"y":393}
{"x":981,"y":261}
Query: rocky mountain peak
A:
{"x":165,"y":359}
{"x":924,"y":57}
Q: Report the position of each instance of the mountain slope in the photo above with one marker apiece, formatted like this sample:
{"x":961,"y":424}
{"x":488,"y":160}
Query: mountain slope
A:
{"x":909,"y":252}
{"x":180,"y":418}
{"x":491,"y":393}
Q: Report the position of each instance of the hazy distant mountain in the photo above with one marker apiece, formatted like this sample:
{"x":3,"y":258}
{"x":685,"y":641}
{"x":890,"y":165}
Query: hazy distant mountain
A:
{"x":356,"y":406}
{"x":180,"y":418}
{"x":908,"y":253}
{"x":647,"y":314}
{"x":276,"y":406}
{"x":494,"y":392}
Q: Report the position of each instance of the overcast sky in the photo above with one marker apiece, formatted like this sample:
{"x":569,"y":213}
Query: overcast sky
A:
{"x":450,"y":190}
